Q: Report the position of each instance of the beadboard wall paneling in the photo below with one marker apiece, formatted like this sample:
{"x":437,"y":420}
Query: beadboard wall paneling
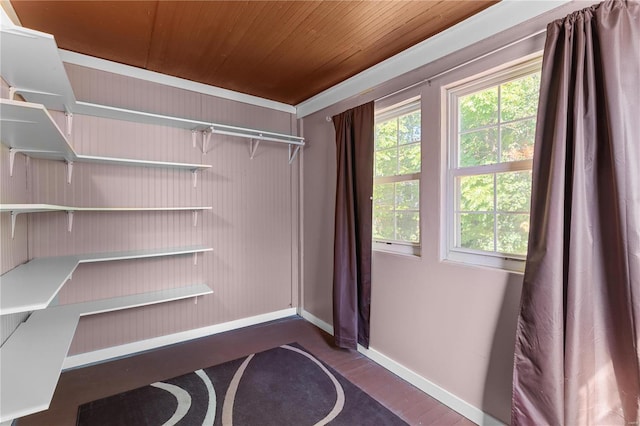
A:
{"x":253,"y":227}
{"x":13,"y":251}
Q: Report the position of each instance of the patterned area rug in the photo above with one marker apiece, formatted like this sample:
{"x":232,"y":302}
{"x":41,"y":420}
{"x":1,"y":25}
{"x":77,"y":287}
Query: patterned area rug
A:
{"x":280,"y":386}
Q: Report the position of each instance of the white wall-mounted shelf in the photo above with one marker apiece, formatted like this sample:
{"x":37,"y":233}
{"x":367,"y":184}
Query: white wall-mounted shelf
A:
{"x":33,"y":356}
{"x":54,"y":91}
{"x":33,"y":285}
{"x":28,"y":128}
{"x":16,"y":209}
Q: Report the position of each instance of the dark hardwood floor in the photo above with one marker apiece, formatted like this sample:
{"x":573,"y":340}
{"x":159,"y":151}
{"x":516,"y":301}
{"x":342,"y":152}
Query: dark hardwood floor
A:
{"x":97,"y":381}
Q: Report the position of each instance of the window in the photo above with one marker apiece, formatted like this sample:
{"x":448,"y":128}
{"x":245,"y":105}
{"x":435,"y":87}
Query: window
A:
{"x":491,"y":133}
{"x":396,"y":183}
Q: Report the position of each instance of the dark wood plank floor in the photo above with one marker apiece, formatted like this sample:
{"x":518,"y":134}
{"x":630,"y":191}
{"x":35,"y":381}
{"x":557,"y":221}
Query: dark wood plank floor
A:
{"x":90,"y":383}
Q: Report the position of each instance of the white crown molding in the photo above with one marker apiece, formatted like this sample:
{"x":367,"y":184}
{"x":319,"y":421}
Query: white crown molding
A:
{"x":491,"y":21}
{"x":167,"y":80}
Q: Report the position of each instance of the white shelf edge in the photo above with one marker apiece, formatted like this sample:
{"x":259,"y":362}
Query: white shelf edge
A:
{"x":102,"y":306}
{"x":31,"y":115}
{"x":144,"y":163}
{"x":40,"y":208}
{"x":28,"y":386}
{"x":48,"y":275}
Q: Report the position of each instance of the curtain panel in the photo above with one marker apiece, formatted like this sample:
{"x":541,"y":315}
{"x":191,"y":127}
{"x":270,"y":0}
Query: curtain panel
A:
{"x":577,"y":360}
{"x":352,"y":245}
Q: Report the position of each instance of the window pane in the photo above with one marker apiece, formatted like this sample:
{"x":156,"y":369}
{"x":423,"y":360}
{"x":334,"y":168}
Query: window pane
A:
{"x":409,"y":128}
{"x":514,"y":191}
{"x":479,"y":109}
{"x":383,"y":224}
{"x":409,"y":159}
{"x":478,"y":148}
{"x":476,"y":231}
{"x":513,"y":231}
{"x":408,"y":195}
{"x":386,"y":134}
{"x":408,"y":226}
{"x":517,"y":140}
{"x":386,"y":162}
{"x":383,"y":195}
{"x":476,"y":193}
{"x":519,"y":98}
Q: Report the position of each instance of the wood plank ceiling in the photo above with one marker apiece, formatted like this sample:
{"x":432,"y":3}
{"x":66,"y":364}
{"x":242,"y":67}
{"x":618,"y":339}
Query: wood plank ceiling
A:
{"x":286,"y":51}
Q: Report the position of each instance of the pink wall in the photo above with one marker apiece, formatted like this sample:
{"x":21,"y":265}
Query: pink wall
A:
{"x":452,"y":324}
{"x":251,"y":228}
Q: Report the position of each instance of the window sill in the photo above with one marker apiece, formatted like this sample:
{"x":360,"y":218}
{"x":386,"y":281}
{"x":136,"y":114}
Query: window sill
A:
{"x":408,"y":250}
{"x":491,"y":261}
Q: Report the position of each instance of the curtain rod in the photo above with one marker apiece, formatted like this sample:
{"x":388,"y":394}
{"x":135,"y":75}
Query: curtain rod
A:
{"x":470,"y":61}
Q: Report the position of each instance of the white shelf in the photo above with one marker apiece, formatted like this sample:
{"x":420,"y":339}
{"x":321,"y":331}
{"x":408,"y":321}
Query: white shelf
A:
{"x":53,"y":90}
{"x":140,"y":163}
{"x":33,"y":285}
{"x":37,"y":208}
{"x":38,"y":76}
{"x":32,"y":357}
{"x":29,"y":128}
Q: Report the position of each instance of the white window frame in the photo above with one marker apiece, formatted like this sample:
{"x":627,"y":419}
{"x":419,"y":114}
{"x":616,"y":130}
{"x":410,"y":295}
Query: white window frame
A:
{"x":509,"y":262}
{"x":397,"y":246}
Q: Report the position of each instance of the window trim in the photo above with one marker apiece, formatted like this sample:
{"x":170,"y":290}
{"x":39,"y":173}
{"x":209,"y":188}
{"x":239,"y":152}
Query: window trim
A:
{"x":397,"y":109}
{"x":450,"y":95}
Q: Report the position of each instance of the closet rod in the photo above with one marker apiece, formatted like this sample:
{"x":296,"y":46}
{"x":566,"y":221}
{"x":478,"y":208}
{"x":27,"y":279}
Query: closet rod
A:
{"x":470,"y":61}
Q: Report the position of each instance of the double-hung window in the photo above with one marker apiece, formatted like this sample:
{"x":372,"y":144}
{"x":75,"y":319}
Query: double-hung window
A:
{"x":491,"y":129}
{"x":396,"y":188}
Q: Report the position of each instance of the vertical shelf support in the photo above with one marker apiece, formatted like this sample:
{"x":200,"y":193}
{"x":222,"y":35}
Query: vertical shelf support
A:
{"x":292,"y":156}
{"x":12,"y":159}
{"x":195,"y":258}
{"x":206,"y":137}
{"x":69,"y":117}
{"x":194,"y":174}
{"x":195,"y":218}
{"x":14,"y":215}
{"x":69,"y":220}
{"x":194,"y":137}
{"x":253,"y":146}
{"x":69,"y":171}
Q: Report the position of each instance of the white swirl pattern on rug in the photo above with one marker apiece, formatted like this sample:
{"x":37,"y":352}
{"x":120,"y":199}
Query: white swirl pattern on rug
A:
{"x":184,"y":401}
{"x":227,"y":407}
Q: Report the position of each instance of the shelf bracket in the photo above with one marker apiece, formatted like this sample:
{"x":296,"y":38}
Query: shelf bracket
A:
{"x":69,"y":117}
{"x":195,"y":218}
{"x":253,"y":146}
{"x":14,"y":215}
{"x":12,"y":93}
{"x":69,"y":171}
{"x":206,"y":137}
{"x":194,"y":137}
{"x":69,"y":220}
{"x":194,"y":175}
{"x":292,"y":156}
{"x":12,"y":159}
{"x":195,"y":258}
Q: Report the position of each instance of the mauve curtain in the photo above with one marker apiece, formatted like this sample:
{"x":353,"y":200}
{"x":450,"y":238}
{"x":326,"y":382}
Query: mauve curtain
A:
{"x":352,"y":246}
{"x":577,"y":360}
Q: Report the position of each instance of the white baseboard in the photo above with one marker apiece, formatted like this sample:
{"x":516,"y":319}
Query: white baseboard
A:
{"x":101,"y":355}
{"x":457,"y":404}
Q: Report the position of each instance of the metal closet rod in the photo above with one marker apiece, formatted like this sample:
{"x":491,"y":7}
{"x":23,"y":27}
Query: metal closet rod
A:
{"x":244,"y":132}
{"x":464,"y":64}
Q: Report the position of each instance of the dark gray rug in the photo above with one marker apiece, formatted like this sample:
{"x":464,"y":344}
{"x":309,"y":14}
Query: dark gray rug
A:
{"x":281,"y":386}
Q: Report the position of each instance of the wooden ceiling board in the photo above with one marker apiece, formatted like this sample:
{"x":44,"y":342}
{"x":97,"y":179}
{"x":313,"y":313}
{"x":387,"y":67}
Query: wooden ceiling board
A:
{"x":286,"y":51}
{"x":118,"y":31}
